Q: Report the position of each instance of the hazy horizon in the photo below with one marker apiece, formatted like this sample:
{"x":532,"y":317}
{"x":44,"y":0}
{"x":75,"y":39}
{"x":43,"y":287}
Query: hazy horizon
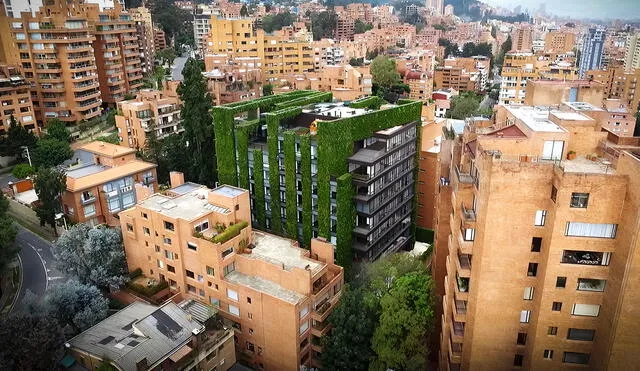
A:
{"x":594,"y":9}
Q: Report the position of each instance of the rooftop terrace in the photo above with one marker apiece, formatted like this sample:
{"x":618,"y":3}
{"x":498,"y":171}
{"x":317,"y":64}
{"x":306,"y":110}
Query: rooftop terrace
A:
{"x":536,"y":118}
{"x":191,"y":204}
{"x":281,"y":252}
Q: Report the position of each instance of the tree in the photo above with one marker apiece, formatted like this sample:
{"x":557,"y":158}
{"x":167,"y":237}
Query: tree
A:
{"x":356,"y":62}
{"x":57,"y":130}
{"x":30,"y":341}
{"x":49,"y":186}
{"x":166,"y":56}
{"x":406,"y":322}
{"x":323,"y":24}
{"x":348,"y":346}
{"x":93,"y":255}
{"x":464,"y":105}
{"x":77,"y":305}
{"x":22,"y":171}
{"x":267,"y":89}
{"x":16,"y":138}
{"x":8,"y":233}
{"x":504,"y":49}
{"x":244,"y":12}
{"x":362,"y":27}
{"x":175,"y":22}
{"x":198,"y":124}
{"x":51,"y":152}
{"x":383,"y":71}
{"x":274,"y":22}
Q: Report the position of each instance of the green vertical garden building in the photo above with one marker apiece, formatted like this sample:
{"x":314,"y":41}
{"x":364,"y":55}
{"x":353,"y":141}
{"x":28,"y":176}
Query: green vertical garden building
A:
{"x":342,"y":171}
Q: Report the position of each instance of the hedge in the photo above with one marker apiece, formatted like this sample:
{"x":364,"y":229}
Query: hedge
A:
{"x":306,"y":100}
{"x":289,"y":148}
{"x":243,"y":132}
{"x":135,"y":273}
{"x":335,"y":145}
{"x":232,"y":231}
{"x":346,"y":215}
{"x":148,"y":291}
{"x":373,"y":102}
{"x":305,"y":172}
{"x":258,"y":176}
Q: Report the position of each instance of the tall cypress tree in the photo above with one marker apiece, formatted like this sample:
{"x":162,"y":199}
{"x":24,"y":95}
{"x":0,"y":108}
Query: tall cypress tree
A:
{"x":198,"y":124}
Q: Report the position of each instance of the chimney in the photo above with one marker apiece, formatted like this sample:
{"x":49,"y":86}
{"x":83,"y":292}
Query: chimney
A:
{"x":176,"y":178}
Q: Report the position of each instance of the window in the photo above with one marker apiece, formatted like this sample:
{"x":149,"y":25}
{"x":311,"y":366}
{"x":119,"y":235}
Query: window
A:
{"x":114,"y":204}
{"x":171,"y":269}
{"x":200,"y":278}
{"x":532,"y":270}
{"x":146,"y":231}
{"x":250,"y":315}
{"x":192,"y":246}
{"x":303,"y":312}
{"x":232,"y":294}
{"x":157,"y":248}
{"x":215,"y":302}
{"x":144,"y":215}
{"x":589,"y":284}
{"x":90,"y":210}
{"x":210,"y":271}
{"x":250,"y":331}
{"x":525,"y":316}
{"x":518,"y":360}
{"x":167,"y":241}
{"x":577,"y":229}
{"x":556,"y":306}
{"x":589,"y":310}
{"x":129,"y":227}
{"x":234,"y":310}
{"x":581,"y":334}
{"x":160,"y":263}
{"x":548,"y":354}
{"x":528,"y":293}
{"x":202,"y":226}
{"x":169,"y":254}
{"x":552,"y":330}
{"x":554,"y":193}
{"x":536,"y":244}
{"x":248,"y":300}
{"x":561,"y":282}
{"x":229,"y":268}
{"x":201,"y":292}
{"x":250,"y":347}
{"x":227,"y":252}
{"x":468,"y":234}
{"x":574,"y":357}
{"x":191,"y":289}
{"x":190,"y":274}
{"x":541,"y":217}
{"x":522,"y":338}
{"x":304,"y":327}
{"x":585,"y":257}
{"x":169,"y":226}
{"x":579,"y":200}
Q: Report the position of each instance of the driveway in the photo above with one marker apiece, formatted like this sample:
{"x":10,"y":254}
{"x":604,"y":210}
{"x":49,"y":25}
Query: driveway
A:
{"x":176,"y":68}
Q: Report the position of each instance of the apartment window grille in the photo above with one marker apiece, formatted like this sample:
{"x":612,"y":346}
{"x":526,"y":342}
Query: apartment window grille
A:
{"x":536,"y":244}
{"x":541,"y":217}
{"x":586,"y":257}
{"x":561,"y":282}
{"x":579,"y":200}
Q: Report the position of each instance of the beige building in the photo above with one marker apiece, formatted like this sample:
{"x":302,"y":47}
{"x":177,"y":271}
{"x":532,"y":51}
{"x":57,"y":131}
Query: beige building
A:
{"x":15,"y":100}
{"x":104,"y":179}
{"x":522,"y":39}
{"x":151,"y":110}
{"x":277,"y":55}
{"x":518,"y":68}
{"x":619,"y":84}
{"x":344,"y":81}
{"x":200,"y":240}
{"x":144,"y":30}
{"x":542,"y":245}
{"x":554,"y":92}
{"x":559,"y":41}
{"x":632,"y":52}
{"x":187,"y":335}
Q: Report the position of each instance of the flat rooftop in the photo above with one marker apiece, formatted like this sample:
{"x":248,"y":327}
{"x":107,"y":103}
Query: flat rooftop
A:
{"x":536,"y":118}
{"x":228,"y":191}
{"x":570,"y":116}
{"x":95,"y":175}
{"x":281,"y":252}
{"x":265,"y":286}
{"x":582,"y":106}
{"x":187,"y":206}
{"x":336,"y":110}
{"x":107,"y":149}
{"x":585,"y":166}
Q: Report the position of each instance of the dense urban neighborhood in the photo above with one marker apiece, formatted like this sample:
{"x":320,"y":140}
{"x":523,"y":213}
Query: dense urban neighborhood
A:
{"x":327,"y":185}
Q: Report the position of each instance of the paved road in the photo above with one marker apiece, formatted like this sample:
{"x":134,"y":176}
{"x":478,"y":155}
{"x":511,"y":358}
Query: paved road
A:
{"x":6,"y":178}
{"x":176,"y":69}
{"x":38,"y":264}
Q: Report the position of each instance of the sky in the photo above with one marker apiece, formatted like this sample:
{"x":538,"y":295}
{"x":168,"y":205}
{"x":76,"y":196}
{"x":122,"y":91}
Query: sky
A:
{"x":595,"y":9}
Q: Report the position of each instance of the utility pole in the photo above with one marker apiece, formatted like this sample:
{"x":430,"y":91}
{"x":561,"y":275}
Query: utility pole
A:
{"x":28,"y":156}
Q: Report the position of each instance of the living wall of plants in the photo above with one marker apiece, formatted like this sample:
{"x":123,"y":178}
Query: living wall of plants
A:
{"x":258,"y":176}
{"x":305,"y":163}
{"x":335,"y":145}
{"x":373,"y":102}
{"x":345,"y":213}
{"x":290,"y":184}
{"x":306,"y":100}
{"x":243,"y":131}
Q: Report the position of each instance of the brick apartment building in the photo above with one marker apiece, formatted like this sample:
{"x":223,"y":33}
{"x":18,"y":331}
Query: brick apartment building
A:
{"x":151,"y":110}
{"x":15,"y":100}
{"x":276,"y":295}
{"x":541,"y":243}
{"x":104,"y":179}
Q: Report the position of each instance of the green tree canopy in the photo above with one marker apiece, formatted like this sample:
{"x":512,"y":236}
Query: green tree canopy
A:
{"x":175,"y":22}
{"x":274,"y":22}
{"x":8,"y":233}
{"x":22,"y":171}
{"x":76,"y":305}
{"x":166,"y":56}
{"x":267,"y":89}
{"x":464,"y":105}
{"x":49,"y":186}
{"x":406,"y":319}
{"x":30,"y":341}
{"x":198,"y":124}
{"x":92,"y":255}
{"x":17,"y":137}
{"x":323,"y":24}
{"x":362,"y":27}
{"x":383,"y":71}
{"x":51,"y":152}
{"x":244,"y":12}
{"x":57,"y":129}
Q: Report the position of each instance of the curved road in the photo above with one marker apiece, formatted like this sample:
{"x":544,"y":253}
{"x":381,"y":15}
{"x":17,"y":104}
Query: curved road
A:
{"x":38,"y":264}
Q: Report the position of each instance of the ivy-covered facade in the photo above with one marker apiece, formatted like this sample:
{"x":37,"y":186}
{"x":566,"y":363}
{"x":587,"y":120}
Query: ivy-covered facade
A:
{"x":345,"y":172}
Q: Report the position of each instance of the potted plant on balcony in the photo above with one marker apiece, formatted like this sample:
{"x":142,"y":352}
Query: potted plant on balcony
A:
{"x":571,"y":155}
{"x":462,"y":285}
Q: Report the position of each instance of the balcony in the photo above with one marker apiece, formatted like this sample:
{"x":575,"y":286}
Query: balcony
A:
{"x":457,"y":333}
{"x":325,"y":307}
{"x":460,"y":310}
{"x":455,"y":352}
{"x":461,"y":286}
{"x":148,"y":180}
{"x":320,"y":329}
{"x":469,"y":215}
{"x":463,"y":177}
{"x":85,"y":200}
{"x":463,"y":265}
{"x":586,"y":257}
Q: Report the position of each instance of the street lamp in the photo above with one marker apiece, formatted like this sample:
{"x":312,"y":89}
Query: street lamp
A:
{"x":64,"y":220}
{"x":28,"y":156}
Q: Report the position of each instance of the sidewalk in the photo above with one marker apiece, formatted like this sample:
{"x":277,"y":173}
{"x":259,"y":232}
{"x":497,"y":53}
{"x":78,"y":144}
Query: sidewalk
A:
{"x":26,"y":217}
